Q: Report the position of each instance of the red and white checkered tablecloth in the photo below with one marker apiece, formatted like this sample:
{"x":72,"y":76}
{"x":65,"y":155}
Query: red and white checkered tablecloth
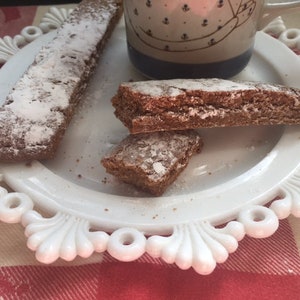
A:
{"x":260,"y":269}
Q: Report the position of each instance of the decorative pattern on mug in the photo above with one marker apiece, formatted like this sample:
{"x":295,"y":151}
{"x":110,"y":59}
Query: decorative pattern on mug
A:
{"x":151,"y":22}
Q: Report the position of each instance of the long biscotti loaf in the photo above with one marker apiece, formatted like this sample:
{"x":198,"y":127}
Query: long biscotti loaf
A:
{"x":148,"y":106}
{"x":37,"y":111}
{"x":152,"y":161}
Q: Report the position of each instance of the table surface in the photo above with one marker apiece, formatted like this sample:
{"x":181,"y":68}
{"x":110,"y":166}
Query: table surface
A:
{"x":268,"y":268}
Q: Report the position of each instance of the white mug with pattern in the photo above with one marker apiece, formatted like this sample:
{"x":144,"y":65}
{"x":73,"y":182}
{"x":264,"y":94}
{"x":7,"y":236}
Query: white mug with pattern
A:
{"x":195,"y":38}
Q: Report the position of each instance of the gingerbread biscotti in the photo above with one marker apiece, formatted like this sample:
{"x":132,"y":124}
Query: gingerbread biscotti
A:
{"x":37,"y":111}
{"x":178,"y":104}
{"x":152,"y":161}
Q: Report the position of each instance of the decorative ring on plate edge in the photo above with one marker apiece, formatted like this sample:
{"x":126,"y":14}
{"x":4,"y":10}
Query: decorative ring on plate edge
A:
{"x":52,"y":20}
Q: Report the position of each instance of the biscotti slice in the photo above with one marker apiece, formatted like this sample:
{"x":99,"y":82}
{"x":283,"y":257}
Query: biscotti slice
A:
{"x":152,"y":161}
{"x":38,"y":109}
{"x":178,"y":104}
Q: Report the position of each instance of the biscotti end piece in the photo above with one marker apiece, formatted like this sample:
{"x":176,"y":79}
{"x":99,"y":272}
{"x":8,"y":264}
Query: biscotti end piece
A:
{"x":152,"y":161}
{"x":180,"y":104}
{"x":38,"y":109}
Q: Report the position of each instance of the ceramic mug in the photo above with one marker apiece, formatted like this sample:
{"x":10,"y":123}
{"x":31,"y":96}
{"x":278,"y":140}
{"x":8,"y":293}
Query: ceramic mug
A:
{"x":195,"y":38}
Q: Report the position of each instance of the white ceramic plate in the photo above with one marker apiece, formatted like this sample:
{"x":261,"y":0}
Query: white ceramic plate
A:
{"x":238,"y":172}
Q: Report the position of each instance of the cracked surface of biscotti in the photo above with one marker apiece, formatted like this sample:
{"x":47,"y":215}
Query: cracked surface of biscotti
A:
{"x":180,"y":104}
{"x":152,"y":161}
{"x":39,"y":108}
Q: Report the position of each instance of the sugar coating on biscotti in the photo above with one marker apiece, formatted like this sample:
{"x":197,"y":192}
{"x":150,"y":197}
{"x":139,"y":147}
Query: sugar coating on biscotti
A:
{"x":180,"y":104}
{"x":152,"y":161}
{"x":38,"y":109}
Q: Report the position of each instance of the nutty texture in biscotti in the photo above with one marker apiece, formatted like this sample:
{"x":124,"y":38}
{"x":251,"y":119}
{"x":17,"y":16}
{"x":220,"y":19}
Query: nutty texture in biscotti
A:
{"x":179,"y":104}
{"x":152,"y":161}
{"x":38,"y":109}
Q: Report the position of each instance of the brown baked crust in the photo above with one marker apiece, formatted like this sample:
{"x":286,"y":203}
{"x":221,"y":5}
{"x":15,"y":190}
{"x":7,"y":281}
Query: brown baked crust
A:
{"x":187,"y":103}
{"x":38,"y":110}
{"x":152,"y":161}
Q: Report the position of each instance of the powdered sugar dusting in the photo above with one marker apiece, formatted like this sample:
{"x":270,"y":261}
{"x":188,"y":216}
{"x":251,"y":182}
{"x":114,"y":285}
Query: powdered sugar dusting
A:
{"x":39,"y":100}
{"x":33,"y":136}
{"x":156,"y":153}
{"x":159,"y":168}
{"x":176,"y":87}
{"x":44,"y":91}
